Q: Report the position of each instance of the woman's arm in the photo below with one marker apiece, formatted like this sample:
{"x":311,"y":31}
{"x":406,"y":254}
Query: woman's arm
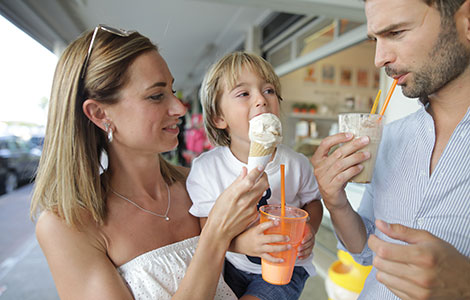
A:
{"x":233,"y":211}
{"x":78,"y":262}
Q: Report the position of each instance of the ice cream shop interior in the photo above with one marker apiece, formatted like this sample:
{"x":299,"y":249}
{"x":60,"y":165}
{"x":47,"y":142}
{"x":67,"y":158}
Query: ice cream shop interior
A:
{"x":326,"y":67}
{"x":319,"y":49}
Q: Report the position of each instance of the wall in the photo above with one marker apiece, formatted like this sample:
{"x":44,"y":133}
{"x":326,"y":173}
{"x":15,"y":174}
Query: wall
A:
{"x":314,"y":84}
{"x":303,"y":86}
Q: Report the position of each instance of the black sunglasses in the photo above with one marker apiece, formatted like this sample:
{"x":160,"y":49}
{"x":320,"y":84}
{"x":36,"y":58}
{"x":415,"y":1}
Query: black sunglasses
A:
{"x":116,"y":31}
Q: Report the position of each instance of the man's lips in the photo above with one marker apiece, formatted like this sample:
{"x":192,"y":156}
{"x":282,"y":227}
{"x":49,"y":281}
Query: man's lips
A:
{"x":400,"y":78}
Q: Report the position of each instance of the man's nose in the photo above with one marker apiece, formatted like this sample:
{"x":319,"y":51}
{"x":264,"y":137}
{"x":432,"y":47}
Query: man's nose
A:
{"x":383,"y":54}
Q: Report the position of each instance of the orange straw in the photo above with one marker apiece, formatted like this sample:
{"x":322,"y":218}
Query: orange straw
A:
{"x":283,"y":191}
{"x":376,"y":103}
{"x":390,"y":92}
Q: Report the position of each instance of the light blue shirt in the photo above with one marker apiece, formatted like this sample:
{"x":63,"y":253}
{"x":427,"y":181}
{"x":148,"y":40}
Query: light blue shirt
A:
{"x":403,"y":191}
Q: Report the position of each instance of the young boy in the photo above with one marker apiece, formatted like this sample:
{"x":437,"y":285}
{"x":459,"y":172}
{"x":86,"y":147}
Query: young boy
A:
{"x":237,"y":88}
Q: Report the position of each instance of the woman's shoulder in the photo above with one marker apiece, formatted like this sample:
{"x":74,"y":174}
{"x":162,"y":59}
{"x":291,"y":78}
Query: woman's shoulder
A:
{"x":52,"y":230}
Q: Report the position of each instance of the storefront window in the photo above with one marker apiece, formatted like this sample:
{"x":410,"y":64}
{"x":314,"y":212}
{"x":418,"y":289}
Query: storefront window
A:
{"x":324,"y":34}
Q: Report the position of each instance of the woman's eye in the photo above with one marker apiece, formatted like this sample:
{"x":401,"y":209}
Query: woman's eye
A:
{"x":156,"y":97}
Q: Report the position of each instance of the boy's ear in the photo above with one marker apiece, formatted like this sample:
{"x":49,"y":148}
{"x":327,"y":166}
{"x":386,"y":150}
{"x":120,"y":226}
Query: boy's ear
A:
{"x":220,"y":122}
{"x":94,"y":110}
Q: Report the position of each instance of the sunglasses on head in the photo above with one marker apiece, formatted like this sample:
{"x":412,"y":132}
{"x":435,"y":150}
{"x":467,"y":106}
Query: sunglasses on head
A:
{"x":116,"y":31}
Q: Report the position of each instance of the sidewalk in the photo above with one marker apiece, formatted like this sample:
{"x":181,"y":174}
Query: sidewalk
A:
{"x":27,"y":276}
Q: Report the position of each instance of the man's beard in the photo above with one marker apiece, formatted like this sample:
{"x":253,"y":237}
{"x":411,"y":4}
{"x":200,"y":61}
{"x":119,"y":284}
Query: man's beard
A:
{"x":447,"y":60}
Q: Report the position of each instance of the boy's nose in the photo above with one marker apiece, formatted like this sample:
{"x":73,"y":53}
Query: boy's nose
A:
{"x":261,"y":100}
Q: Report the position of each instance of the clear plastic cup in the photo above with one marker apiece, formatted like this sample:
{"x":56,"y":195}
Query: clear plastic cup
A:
{"x":364,"y":124}
{"x":291,"y":224}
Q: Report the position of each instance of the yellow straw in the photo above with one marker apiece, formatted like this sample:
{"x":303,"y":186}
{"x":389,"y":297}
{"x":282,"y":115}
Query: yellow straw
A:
{"x":390,"y":92}
{"x":376,"y":103}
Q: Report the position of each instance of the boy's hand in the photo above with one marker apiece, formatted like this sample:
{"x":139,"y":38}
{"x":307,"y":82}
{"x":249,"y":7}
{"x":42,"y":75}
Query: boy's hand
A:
{"x":306,"y":247}
{"x":254,"y":242}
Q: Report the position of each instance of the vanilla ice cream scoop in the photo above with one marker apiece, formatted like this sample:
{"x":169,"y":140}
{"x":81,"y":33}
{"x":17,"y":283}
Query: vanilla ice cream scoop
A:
{"x":265,"y":134}
{"x":266,"y":130}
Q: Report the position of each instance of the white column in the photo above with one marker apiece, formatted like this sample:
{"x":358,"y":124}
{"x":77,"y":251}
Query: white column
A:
{"x":253,"y":40}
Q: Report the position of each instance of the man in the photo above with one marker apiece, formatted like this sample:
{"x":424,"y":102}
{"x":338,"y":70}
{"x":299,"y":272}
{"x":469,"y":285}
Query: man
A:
{"x":413,"y":224}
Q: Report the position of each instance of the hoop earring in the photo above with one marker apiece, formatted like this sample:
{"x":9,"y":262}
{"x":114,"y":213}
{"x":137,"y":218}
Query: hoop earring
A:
{"x":109,"y":130}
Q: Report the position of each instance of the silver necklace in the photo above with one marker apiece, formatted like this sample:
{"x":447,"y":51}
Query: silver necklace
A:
{"x":165,"y":216}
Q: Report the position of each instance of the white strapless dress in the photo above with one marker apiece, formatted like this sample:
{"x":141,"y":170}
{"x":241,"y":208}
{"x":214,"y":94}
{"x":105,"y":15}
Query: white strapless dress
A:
{"x":157,"y":273}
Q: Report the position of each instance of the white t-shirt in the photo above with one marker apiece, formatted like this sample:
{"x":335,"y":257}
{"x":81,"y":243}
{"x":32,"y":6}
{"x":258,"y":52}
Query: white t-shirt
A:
{"x":213,"y":171}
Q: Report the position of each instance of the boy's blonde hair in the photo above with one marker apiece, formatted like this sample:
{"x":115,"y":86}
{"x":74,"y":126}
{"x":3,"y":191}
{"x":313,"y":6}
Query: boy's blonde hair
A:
{"x":68,"y":180}
{"x":225,"y":73}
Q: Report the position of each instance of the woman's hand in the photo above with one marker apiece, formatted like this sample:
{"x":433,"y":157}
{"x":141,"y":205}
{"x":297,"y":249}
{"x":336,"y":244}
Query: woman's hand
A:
{"x":235,"y":208}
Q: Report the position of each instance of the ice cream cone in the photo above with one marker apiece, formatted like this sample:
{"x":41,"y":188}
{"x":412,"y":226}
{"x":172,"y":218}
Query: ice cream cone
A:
{"x":259,"y":155}
{"x":257,"y":150}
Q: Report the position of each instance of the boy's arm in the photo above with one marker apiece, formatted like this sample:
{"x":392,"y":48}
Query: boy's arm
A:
{"x":253,"y":242}
{"x":202,"y":222}
{"x":315,"y":212}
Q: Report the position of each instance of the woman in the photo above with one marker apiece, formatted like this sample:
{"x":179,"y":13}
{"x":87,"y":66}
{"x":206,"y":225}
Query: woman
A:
{"x":112,"y":92}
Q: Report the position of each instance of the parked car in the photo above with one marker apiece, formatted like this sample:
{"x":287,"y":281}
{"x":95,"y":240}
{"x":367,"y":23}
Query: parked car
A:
{"x":20,"y":161}
{"x":36,"y":141}
{"x":3,"y":175}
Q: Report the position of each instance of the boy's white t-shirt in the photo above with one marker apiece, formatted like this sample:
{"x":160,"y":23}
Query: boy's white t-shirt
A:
{"x":213,"y":171}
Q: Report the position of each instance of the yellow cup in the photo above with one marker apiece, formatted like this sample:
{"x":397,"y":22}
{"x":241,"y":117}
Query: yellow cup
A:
{"x":291,"y":224}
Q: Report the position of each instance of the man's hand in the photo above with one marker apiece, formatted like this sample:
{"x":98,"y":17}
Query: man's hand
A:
{"x":334,"y":170}
{"x":426,"y":268}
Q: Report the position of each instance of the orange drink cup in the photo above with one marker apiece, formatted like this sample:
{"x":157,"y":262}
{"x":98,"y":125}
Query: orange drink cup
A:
{"x":364,"y":124}
{"x":291,"y":224}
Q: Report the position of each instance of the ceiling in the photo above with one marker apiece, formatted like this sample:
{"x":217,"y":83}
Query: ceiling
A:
{"x":191,"y":34}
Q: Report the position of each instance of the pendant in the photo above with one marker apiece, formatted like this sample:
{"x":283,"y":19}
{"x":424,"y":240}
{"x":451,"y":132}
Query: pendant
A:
{"x":167,"y":218}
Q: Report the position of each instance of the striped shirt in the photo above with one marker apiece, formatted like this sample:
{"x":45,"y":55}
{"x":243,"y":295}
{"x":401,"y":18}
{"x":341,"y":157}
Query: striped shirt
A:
{"x":403,"y":191}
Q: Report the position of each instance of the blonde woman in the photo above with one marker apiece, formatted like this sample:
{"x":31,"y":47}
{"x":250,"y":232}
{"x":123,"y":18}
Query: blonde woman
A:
{"x":124,"y":231}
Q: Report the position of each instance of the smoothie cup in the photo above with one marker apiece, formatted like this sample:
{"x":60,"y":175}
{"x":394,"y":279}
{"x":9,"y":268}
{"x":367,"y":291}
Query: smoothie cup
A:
{"x":364,"y":124}
{"x":291,"y":224}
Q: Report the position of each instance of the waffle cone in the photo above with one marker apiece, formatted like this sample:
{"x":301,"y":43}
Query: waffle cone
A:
{"x":257,"y":150}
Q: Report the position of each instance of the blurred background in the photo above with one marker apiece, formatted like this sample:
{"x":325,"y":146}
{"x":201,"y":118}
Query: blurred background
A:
{"x":318,"y":48}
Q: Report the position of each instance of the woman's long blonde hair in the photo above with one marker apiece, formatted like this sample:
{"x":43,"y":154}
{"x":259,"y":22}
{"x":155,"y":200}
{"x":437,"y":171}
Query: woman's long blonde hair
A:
{"x":68,"y":180}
